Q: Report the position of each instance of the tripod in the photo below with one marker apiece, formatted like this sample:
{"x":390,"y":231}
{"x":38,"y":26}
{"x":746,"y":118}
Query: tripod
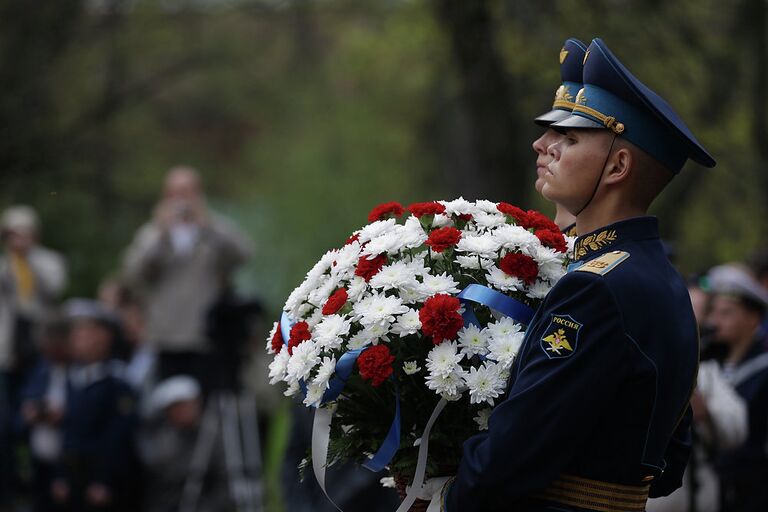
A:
{"x":231,"y":419}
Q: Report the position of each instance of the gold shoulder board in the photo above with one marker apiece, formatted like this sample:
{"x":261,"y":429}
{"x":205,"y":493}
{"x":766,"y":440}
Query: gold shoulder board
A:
{"x":605,"y":263}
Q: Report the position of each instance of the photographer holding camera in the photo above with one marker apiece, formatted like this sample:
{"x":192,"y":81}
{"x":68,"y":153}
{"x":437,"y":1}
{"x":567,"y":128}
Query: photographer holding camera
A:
{"x":182,"y":260}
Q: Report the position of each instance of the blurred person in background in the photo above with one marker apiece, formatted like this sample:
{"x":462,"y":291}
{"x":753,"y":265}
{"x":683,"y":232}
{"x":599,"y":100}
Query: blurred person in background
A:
{"x":43,"y":400}
{"x":31,"y":278}
{"x":738,"y":309}
{"x":167,"y":446}
{"x":719,"y":424}
{"x":182,"y":260}
{"x":759,"y":266}
{"x":139,"y":357}
{"x":98,"y":469}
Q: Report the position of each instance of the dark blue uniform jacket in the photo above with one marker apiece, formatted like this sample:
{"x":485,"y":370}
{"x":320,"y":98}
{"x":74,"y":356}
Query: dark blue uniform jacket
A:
{"x":602,"y":384}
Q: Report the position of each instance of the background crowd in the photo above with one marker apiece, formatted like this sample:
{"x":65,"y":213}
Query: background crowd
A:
{"x":300,"y":116}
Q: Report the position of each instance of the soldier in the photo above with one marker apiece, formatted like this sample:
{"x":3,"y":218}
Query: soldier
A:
{"x":571,"y":66}
{"x":597,"y":413}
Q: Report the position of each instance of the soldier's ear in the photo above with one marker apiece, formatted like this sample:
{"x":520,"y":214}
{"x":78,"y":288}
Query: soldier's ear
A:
{"x":619,"y":165}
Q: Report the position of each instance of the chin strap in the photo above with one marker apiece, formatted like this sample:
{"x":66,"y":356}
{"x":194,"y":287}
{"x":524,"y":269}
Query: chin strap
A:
{"x":599,"y":178}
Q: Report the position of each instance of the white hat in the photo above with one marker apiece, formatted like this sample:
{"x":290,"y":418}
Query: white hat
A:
{"x":172,"y":390}
{"x":731,"y":279}
{"x":19,"y":218}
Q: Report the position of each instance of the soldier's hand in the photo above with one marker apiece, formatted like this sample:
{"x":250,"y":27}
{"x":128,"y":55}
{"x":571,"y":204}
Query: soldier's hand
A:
{"x":98,"y":495}
{"x":60,"y":491}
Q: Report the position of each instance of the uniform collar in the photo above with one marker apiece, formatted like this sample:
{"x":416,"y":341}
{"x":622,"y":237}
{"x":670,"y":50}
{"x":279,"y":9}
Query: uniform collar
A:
{"x":604,"y":239}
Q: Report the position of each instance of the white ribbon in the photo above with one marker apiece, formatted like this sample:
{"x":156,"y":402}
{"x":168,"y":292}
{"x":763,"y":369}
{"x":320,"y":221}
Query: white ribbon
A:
{"x":321,"y":434}
{"x":421,"y":462}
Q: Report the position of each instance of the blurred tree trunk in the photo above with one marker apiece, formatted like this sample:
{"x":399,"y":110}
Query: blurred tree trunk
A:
{"x":493,"y":169}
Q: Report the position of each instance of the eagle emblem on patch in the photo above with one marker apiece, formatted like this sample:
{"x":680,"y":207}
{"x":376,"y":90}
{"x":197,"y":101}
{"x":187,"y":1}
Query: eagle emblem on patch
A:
{"x":561,"y":337}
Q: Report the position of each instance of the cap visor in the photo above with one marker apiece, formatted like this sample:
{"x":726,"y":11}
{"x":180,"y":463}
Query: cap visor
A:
{"x":553,"y":116}
{"x":574,"y":121}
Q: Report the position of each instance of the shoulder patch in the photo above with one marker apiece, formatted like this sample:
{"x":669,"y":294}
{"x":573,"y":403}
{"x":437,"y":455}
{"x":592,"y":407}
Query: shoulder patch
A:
{"x":605,"y":263}
{"x":561,"y":337}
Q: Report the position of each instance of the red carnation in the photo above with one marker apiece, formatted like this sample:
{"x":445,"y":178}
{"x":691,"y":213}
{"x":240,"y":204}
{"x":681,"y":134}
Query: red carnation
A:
{"x":299,"y":334}
{"x":521,"y":266}
{"x":353,"y":238}
{"x":430,"y":208}
{"x":335,"y":302}
{"x":443,"y":238}
{"x":385,"y":210}
{"x":440,"y":318}
{"x":536,"y":220}
{"x":368,"y":268}
{"x":375,"y":364}
{"x":513,"y":211}
{"x":466,"y":217}
{"x":552,"y":239}
{"x":277,"y":340}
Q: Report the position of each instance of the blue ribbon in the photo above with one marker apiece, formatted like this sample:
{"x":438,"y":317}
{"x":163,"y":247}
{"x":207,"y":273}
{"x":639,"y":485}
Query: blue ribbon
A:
{"x":573,"y":266}
{"x":497,"y":301}
{"x":344,"y":367}
{"x":391,"y":443}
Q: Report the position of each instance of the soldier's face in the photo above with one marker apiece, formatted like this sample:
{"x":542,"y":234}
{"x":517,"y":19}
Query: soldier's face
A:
{"x":543,"y":159}
{"x":577,"y":163}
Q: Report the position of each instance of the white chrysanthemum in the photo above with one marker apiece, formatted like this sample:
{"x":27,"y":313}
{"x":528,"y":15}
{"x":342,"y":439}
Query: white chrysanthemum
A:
{"x":278,"y":366}
{"x":473,"y":262}
{"x":413,"y":233}
{"x":305,"y":356}
{"x":503,"y":281}
{"x":485,"y":246}
{"x":390,"y":242}
{"x":473,"y":340}
{"x":539,"y":290}
{"x":329,"y":332}
{"x":433,"y":285}
{"x":271,"y":335}
{"x":378,"y":309}
{"x":292,"y":389}
{"x":515,"y":237}
{"x":489,"y":220}
{"x":483,"y":415}
{"x":326,"y":287}
{"x":418,"y":266}
{"x":486,"y":206}
{"x":396,"y":275}
{"x":411,"y":367}
{"x":388,"y":482}
{"x":407,"y":323}
{"x":356,"y":289}
{"x":346,"y":258}
{"x":449,"y":386}
{"x":376,"y":229}
{"x":459,"y":206}
{"x":314,"y":318}
{"x":378,"y":331}
{"x":359,"y":340}
{"x":314,"y":395}
{"x":325,"y":372}
{"x":502,"y":327}
{"x":322,"y":266}
{"x":485,"y":383}
{"x":444,"y":359}
{"x":504,"y":349}
{"x":550,"y":262}
{"x":303,"y":310}
{"x":571,"y":241}
{"x":297,"y":297}
{"x":441,"y":220}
